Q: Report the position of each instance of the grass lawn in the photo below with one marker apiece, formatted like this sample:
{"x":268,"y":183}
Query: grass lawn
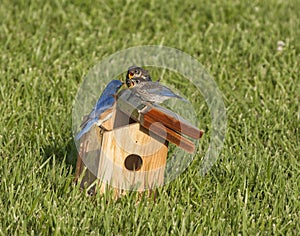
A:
{"x":48,"y":46}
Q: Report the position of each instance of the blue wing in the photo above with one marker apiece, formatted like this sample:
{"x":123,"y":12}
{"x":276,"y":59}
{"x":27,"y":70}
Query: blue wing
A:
{"x":107,"y":98}
{"x":106,"y":101}
{"x":102,"y":105}
{"x":86,"y":128}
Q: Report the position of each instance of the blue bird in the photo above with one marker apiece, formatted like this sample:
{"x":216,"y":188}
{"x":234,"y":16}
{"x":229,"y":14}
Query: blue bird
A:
{"x":103,"y":108}
{"x":137,"y":72}
{"x":153,"y":92}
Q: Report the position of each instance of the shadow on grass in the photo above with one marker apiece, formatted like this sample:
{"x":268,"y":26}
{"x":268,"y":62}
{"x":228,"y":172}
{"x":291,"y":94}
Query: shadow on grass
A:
{"x":63,"y":153}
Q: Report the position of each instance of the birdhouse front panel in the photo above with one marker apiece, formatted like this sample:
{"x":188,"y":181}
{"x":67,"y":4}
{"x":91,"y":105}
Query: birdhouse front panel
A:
{"x":130,"y":158}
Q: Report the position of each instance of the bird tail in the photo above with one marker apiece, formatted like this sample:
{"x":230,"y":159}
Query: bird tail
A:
{"x":182,"y":99}
{"x":86,"y":128}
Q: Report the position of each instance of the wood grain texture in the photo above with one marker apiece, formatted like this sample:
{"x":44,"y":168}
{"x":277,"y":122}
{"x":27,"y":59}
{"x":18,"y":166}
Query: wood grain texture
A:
{"x":118,"y":145}
{"x":174,"y":122}
{"x":167,"y":133}
{"x":88,"y":159}
{"x":139,"y":110}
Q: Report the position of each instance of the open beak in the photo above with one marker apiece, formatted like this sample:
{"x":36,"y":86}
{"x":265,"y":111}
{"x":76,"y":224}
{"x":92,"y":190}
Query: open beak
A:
{"x":130,"y":84}
{"x":130,"y":75}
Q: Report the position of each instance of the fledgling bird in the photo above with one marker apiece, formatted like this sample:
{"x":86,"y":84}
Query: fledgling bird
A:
{"x":103,"y":108}
{"x":137,"y":72}
{"x":150,"y":91}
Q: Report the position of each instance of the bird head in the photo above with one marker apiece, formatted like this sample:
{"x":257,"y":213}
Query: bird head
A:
{"x":136,"y":81}
{"x":136,"y":72}
{"x":112,"y":88}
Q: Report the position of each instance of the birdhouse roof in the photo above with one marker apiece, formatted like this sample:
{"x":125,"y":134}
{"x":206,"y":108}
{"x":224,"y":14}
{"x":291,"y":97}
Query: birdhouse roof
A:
{"x":159,"y":120}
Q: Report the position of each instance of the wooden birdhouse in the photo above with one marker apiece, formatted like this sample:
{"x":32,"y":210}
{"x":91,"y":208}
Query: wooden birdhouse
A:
{"x":129,"y":151}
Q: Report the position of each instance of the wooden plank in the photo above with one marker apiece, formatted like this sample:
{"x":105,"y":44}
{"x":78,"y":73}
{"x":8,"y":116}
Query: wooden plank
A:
{"x":137,"y":110}
{"x":79,"y":163}
{"x":174,"y":122}
{"x":90,"y":143}
{"x":148,"y":121}
{"x":167,"y":133}
{"x":122,"y":142}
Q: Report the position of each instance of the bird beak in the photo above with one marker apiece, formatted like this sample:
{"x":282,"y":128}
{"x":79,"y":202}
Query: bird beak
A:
{"x":131,"y":84}
{"x":130,"y":75}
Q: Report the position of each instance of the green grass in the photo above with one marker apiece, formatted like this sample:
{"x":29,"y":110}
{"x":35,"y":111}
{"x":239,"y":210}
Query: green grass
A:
{"x":48,"y":47}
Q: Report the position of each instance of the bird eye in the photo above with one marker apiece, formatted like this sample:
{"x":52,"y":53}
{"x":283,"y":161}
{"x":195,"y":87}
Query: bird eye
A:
{"x":136,"y":71}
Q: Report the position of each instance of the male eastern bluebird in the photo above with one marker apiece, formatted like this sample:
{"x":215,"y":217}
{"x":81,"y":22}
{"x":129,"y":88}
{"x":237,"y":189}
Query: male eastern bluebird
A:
{"x":150,"y":91}
{"x":137,"y":72}
{"x":103,"y":108}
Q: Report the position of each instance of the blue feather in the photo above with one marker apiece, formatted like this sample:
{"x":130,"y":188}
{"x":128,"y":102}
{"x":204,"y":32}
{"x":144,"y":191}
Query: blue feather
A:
{"x":105,"y":102}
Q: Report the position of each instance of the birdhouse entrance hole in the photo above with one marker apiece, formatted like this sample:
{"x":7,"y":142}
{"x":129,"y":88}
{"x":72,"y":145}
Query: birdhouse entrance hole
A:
{"x":133,"y":162}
